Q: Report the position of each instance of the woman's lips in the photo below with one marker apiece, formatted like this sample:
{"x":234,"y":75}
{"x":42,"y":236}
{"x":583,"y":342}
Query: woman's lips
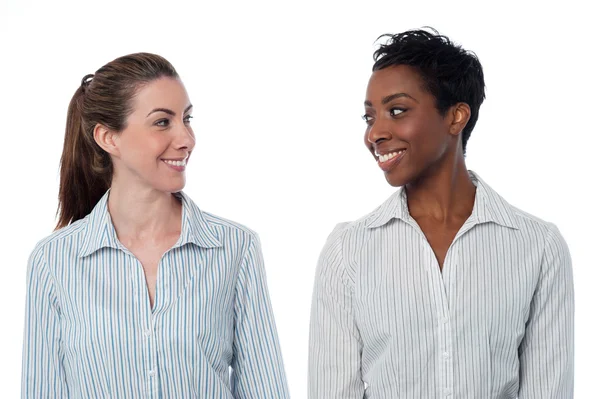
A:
{"x":388,"y":161}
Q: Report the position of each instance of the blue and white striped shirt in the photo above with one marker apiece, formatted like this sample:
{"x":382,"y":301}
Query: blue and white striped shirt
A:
{"x":90,"y":331}
{"x":496,"y":322}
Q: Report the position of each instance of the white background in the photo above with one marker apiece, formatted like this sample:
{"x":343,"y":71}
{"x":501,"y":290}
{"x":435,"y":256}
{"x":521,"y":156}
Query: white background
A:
{"x":277,"y":89}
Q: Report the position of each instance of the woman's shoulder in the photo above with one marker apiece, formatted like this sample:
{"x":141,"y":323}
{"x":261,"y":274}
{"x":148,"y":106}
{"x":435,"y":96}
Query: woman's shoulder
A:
{"x":221,"y":225}
{"x":60,"y":244}
{"x":226,"y":224}
{"x":71,"y":232}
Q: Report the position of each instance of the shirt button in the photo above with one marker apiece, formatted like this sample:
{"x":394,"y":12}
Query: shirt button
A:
{"x":444,"y":320}
{"x":448,"y":392}
{"x":147,"y":333}
{"x":446,"y":355}
{"x":152,"y":373}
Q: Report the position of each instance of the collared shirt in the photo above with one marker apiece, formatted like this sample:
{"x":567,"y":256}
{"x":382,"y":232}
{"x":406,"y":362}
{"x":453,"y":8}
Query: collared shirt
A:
{"x":90,"y":331}
{"x":495,"y":322}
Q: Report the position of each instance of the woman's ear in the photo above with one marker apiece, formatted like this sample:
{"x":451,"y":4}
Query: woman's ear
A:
{"x":106,"y":139}
{"x":461,"y":113}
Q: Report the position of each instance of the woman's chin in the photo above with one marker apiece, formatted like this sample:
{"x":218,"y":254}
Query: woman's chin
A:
{"x":171,"y":186}
{"x":396,"y":181}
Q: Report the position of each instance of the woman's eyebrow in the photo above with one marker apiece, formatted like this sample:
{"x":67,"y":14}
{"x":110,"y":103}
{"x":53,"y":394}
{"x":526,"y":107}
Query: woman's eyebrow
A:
{"x":165,"y":110}
{"x":168,"y":111}
{"x":391,"y":97}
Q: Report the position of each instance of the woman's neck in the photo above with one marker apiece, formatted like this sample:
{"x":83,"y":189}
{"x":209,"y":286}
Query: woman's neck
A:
{"x":143,"y":214}
{"x":444,"y":194}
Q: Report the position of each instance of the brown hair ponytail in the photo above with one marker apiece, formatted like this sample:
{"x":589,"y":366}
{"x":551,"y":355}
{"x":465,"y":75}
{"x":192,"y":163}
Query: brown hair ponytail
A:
{"x":103,"y":98}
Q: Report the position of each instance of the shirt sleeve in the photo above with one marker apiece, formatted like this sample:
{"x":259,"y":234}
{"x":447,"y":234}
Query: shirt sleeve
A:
{"x":335,"y":344}
{"x":42,"y":370}
{"x":546,"y":352}
{"x":257,"y":365}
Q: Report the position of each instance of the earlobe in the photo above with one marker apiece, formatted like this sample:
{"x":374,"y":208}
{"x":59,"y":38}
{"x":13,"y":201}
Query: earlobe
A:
{"x":461,"y":115}
{"x":105,"y":138}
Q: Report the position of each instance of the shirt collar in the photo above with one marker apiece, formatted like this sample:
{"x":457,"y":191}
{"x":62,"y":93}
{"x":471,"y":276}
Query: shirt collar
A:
{"x":195,"y":228}
{"x":489,"y":207}
{"x":100,"y":231}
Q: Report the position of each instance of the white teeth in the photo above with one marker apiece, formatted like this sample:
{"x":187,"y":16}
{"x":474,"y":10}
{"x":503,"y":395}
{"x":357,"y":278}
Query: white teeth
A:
{"x":175,"y":163}
{"x":387,"y":157}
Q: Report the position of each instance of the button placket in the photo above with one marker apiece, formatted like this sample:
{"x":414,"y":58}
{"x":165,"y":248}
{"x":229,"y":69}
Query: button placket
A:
{"x":445,"y":326}
{"x":442,"y":306}
{"x":146,"y":325}
{"x":151,"y":363}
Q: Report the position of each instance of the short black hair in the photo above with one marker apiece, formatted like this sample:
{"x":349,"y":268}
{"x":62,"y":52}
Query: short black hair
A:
{"x":450,"y":73}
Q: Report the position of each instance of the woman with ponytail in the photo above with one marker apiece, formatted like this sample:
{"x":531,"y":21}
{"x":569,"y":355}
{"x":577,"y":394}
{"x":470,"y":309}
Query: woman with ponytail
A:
{"x":138,"y":293}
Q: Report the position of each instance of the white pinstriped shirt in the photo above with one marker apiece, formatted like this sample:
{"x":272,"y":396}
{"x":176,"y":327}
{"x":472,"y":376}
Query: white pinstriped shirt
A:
{"x":495,"y":322}
{"x":90,"y":331}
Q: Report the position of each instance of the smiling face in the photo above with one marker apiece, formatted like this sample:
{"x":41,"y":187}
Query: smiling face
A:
{"x":155,"y":146}
{"x":406,"y":133}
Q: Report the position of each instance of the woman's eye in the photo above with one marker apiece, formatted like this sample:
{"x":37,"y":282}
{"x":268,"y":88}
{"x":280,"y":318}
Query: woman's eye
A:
{"x":187,"y":119}
{"x":367,"y":118}
{"x":162,"y":123}
{"x":396,"y":111}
